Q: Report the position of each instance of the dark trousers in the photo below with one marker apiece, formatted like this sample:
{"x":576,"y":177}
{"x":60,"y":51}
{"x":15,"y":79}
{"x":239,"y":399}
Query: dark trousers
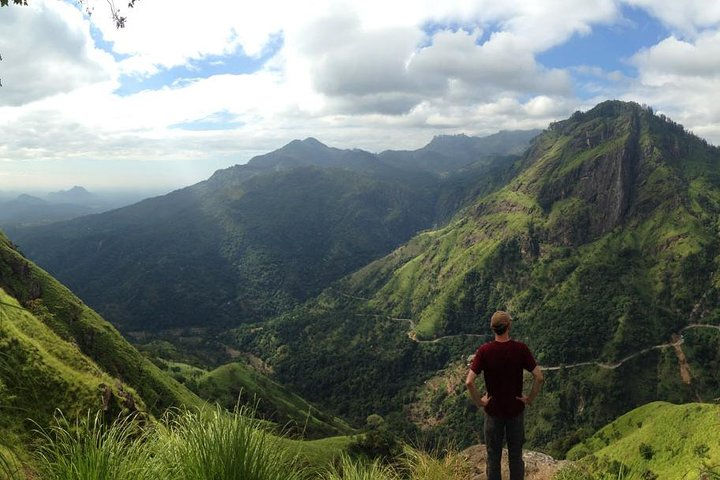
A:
{"x":497,"y":429}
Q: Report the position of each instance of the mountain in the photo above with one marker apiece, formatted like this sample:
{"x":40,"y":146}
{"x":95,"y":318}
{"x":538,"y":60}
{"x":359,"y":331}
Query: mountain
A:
{"x":446,"y":153}
{"x":603,"y":246}
{"x":56,"y":353}
{"x":76,"y":195}
{"x":254,"y":240}
{"x":29,"y":209}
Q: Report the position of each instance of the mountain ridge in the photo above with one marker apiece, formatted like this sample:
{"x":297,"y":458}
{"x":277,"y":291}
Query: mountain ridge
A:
{"x":602,"y":244}
{"x":264,"y":236}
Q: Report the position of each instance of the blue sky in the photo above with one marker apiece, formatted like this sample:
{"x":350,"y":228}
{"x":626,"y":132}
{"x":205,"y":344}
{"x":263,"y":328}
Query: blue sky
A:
{"x":184,"y":90}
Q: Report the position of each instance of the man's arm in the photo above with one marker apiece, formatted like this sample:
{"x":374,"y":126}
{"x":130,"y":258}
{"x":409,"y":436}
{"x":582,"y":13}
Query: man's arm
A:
{"x":480,"y":401}
{"x":538,"y":380}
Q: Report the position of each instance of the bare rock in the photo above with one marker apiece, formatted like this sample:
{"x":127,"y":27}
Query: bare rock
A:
{"x":538,"y":466}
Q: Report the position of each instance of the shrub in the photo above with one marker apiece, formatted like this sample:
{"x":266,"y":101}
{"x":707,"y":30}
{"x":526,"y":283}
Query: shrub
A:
{"x":214,"y":444}
{"x":646,"y":451}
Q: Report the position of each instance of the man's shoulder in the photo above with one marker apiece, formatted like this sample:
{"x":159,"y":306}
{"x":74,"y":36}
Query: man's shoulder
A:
{"x":519,"y":344}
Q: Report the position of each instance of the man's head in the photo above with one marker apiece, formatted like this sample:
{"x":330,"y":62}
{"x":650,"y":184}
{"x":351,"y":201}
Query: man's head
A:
{"x":500,"y":322}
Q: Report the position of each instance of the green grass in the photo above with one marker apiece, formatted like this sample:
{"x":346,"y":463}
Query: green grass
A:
{"x":215,"y":444}
{"x":210,"y":443}
{"x":670,"y":440}
{"x":349,"y":469}
{"x":87,"y":448}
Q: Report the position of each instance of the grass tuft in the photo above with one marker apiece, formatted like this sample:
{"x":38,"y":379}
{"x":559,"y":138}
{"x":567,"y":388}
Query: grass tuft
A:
{"x":215,"y":444}
{"x":89,"y":449}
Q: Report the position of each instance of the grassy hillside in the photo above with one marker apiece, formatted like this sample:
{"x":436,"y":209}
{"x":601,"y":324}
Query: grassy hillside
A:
{"x":59,"y":354}
{"x":238,"y":383}
{"x":661,"y":439}
{"x":604,"y":245}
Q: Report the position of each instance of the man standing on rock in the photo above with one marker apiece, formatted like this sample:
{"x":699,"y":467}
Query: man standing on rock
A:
{"x":502,"y":363}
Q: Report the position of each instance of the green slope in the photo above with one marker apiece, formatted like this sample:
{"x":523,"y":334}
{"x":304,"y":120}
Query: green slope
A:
{"x":238,"y":383}
{"x":604,"y":245}
{"x":670,"y":441}
{"x":58,"y":354}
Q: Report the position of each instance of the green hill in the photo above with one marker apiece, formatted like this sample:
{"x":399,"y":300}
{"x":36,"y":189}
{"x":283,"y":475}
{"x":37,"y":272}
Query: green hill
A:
{"x":58,"y":354}
{"x":603,"y":246}
{"x":239,"y":383}
{"x":661,"y":439}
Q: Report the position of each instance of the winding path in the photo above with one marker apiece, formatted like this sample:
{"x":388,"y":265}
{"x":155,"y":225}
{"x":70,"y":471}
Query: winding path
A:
{"x":608,"y":366}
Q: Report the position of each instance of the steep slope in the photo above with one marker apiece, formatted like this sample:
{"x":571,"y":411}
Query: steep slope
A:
{"x":58,"y":354}
{"x":253,"y":240}
{"x":661,"y":439}
{"x":603,"y":247}
{"x":238,"y":382}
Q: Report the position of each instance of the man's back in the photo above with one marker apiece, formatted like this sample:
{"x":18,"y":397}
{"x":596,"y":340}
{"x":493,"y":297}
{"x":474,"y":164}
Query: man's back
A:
{"x":502,"y":364}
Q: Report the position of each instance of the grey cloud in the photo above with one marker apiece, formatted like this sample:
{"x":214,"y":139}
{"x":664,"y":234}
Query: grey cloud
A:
{"x":486,"y":70}
{"x":43,"y":55}
{"x":390,"y":71}
{"x":386,"y":103}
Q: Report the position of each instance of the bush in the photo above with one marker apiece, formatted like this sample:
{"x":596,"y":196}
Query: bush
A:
{"x":646,"y":451}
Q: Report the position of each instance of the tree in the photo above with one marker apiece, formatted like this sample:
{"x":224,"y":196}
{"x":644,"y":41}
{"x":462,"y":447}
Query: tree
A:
{"x":114,"y":11}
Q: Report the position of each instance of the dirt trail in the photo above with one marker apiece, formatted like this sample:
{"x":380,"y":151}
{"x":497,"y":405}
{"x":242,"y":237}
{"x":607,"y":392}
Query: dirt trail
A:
{"x":682,"y":360}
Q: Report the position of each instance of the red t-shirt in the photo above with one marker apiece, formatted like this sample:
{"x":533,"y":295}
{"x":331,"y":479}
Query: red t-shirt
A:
{"x":502,"y":364}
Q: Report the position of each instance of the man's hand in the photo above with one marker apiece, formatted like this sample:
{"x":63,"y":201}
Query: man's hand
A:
{"x":525,"y":399}
{"x":474,"y":394}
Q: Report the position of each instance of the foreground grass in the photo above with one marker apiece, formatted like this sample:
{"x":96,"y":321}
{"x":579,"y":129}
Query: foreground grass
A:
{"x":185,"y":445}
{"x":211,"y":444}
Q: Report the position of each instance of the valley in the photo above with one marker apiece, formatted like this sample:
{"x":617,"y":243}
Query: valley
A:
{"x":342,"y":290}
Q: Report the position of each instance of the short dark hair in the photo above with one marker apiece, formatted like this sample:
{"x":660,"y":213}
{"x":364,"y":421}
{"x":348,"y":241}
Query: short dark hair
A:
{"x":500,"y":329}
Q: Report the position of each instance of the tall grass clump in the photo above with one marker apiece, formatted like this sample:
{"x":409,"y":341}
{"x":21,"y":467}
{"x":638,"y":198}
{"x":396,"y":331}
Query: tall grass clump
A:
{"x":10,"y":468}
{"x":422,"y":465}
{"x":349,"y":469}
{"x":88,"y":449}
{"x":214,"y":444}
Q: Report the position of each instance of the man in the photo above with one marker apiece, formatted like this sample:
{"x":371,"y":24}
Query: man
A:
{"x":502,"y":363}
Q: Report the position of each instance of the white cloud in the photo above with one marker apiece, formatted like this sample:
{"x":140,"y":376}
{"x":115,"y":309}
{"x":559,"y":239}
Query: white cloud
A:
{"x":674,"y":60}
{"x":686,"y":17}
{"x":47,"y":49}
{"x":371,"y":74}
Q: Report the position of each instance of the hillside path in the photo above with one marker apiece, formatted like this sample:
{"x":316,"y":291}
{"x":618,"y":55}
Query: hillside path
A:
{"x":676,"y":343}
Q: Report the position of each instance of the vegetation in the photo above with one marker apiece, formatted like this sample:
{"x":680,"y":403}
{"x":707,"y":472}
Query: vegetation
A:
{"x":601,"y":247}
{"x":209,"y":443}
{"x":660,"y":439}
{"x":255,"y":240}
{"x":238,"y":383}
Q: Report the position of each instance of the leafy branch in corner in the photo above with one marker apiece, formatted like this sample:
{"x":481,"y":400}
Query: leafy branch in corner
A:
{"x":114,"y":11}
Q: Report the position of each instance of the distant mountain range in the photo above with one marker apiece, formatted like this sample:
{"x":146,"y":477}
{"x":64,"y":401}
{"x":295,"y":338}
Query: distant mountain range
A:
{"x":25,"y":210}
{"x":254,"y":240}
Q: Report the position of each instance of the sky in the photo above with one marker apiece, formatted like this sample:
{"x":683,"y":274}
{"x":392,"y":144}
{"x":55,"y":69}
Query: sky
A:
{"x":189,"y":87}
